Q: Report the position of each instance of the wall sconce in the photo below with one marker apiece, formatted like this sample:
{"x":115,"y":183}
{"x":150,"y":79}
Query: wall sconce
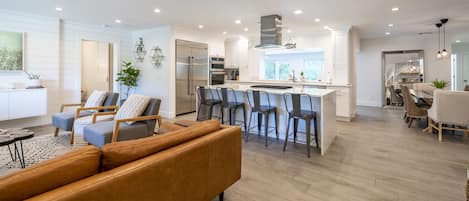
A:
{"x":140,"y":50}
{"x":156,"y":56}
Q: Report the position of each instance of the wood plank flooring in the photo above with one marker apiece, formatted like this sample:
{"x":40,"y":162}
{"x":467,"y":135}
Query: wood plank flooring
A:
{"x":375,"y":157}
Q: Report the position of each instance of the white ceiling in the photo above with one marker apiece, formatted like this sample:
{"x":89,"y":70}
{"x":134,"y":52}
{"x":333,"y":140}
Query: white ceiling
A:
{"x":371,"y":17}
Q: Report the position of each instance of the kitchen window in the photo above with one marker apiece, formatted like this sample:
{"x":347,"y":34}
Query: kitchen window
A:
{"x":280,"y":65}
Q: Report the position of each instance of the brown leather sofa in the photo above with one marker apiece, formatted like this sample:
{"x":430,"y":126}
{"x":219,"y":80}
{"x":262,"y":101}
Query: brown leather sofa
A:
{"x":196,"y":163}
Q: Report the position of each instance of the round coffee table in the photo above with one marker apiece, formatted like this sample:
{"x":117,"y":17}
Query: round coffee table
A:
{"x":11,"y":136}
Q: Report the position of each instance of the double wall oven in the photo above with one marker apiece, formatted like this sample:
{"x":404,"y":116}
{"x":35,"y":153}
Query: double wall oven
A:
{"x":217,"y":70}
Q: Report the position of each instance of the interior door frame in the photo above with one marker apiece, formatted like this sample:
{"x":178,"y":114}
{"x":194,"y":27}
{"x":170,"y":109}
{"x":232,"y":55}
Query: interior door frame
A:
{"x":421,"y":53}
{"x":113,"y":63}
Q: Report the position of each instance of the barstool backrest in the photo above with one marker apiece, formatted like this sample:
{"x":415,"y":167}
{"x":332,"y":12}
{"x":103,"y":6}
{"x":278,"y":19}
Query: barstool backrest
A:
{"x":297,"y":102}
{"x":255,"y":99}
{"x":202,"y":94}
{"x":227,"y":95}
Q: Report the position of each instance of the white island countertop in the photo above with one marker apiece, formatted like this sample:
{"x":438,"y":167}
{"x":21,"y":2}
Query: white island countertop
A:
{"x":289,"y":83}
{"x":296,"y":89}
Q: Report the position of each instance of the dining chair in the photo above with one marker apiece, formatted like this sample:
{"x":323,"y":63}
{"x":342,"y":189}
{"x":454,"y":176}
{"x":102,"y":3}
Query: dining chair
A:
{"x":449,"y":108}
{"x":413,"y":112}
{"x":466,"y":88}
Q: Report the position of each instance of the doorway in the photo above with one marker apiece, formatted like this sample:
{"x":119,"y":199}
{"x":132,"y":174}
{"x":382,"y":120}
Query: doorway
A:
{"x":459,"y":66}
{"x":400,"y":68}
{"x":96,"y":68}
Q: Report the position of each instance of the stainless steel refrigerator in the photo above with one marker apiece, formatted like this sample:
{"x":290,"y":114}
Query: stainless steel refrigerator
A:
{"x":191,"y":71}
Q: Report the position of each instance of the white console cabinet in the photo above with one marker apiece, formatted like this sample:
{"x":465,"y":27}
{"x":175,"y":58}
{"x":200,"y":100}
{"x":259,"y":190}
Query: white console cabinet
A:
{"x":22,"y":103}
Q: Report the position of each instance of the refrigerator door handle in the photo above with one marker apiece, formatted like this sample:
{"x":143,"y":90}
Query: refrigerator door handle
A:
{"x":189,"y":76}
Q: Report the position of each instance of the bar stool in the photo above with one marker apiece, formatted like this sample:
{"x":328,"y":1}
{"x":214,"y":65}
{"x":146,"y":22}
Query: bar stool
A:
{"x":230,"y":102}
{"x":206,"y":102}
{"x":262,"y":110}
{"x":296,"y":113}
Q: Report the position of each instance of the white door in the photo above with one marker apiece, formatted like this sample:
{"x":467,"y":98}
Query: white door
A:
{"x":95,"y":66}
{"x":465,"y":70}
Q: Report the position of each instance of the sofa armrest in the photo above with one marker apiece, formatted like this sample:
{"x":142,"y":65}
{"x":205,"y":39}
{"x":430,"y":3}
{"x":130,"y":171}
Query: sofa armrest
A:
{"x":95,"y":115}
{"x":63,"y":106}
{"x":115,"y":132}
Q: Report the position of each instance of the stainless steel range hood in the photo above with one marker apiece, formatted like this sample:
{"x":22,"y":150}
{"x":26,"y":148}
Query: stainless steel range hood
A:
{"x":271,"y":32}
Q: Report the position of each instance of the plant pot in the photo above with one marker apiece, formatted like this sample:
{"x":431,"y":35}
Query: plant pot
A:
{"x":33,"y":83}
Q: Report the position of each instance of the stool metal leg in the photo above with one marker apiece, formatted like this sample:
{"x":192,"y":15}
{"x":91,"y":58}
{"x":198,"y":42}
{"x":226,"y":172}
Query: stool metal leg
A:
{"x":308,"y":135}
{"x":286,"y":134}
{"x":316,"y":132}
{"x":276,"y":124}
{"x":259,"y":122}
{"x":244,"y":118}
{"x":295,"y":129}
{"x":249,"y":127}
{"x":266,"y":116}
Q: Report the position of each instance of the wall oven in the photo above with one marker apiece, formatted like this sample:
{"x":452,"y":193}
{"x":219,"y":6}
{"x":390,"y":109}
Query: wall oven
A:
{"x":217,"y":70}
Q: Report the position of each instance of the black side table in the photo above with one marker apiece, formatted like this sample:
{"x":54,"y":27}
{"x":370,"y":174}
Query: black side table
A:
{"x":12,"y":136}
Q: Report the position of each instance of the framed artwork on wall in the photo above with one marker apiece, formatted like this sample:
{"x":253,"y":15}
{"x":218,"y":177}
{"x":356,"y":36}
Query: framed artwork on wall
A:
{"x":11,"y":51}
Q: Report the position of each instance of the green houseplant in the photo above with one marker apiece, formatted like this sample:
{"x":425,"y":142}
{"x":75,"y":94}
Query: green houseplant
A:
{"x":128,"y":76}
{"x":439,"y":84}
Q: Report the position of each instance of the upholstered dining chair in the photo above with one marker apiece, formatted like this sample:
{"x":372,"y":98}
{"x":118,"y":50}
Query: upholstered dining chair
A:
{"x":448,"y":108}
{"x":136,"y":118}
{"x":65,"y":120}
{"x":413,"y":112}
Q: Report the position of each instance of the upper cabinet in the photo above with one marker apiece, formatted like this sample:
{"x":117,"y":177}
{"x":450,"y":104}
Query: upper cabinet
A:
{"x":236,"y":53}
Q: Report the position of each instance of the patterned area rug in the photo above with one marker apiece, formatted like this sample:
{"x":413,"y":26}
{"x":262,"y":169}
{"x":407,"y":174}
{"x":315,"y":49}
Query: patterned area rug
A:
{"x":36,"y":149}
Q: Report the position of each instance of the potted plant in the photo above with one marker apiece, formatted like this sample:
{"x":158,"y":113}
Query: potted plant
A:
{"x":127,"y":77}
{"x":439,"y":84}
{"x":302,"y":76}
{"x":33,"y":80}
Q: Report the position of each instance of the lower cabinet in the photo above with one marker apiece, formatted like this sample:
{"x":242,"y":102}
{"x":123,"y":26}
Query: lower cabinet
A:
{"x":345,"y":105}
{"x":22,"y":103}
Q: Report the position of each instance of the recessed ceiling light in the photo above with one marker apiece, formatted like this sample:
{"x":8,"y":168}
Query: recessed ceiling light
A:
{"x":328,"y":28}
{"x":317,"y":20}
{"x":224,"y":33}
{"x":395,"y":9}
{"x":59,"y":9}
{"x":390,"y":25}
{"x":246,"y":29}
{"x":237,"y":21}
{"x":288,"y":31}
{"x":298,"y":12}
{"x":388,"y":33}
{"x":201,"y":26}
{"x":458,"y":41}
{"x":118,"y":21}
{"x":157,"y":10}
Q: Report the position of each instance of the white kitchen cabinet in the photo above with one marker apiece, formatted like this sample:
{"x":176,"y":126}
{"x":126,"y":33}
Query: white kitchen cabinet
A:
{"x":345,"y":109}
{"x":22,"y":103}
{"x":3,"y":106}
{"x":236,"y":53}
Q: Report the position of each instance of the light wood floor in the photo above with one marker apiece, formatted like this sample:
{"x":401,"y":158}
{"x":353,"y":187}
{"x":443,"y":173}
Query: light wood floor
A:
{"x":376,"y":157}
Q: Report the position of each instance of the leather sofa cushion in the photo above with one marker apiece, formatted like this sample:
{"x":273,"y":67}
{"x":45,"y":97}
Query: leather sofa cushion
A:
{"x":119,"y":153}
{"x":51,"y":174}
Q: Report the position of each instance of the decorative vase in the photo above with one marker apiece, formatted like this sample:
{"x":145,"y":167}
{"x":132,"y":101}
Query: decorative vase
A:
{"x":33,"y":83}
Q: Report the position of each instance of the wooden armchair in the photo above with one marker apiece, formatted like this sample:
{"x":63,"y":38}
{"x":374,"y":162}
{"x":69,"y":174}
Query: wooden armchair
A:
{"x":100,"y":133}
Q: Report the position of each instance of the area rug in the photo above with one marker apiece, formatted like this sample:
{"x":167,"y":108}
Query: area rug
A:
{"x":36,"y":150}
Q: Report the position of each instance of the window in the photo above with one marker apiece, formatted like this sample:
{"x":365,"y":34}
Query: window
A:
{"x":281,"y":65}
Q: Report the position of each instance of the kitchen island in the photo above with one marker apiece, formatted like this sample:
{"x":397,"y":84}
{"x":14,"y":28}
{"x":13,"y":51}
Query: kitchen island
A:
{"x":324,"y":104}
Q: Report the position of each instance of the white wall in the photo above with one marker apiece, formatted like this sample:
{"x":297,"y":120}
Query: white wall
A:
{"x":53,"y":50}
{"x":369,"y":68}
{"x":158,"y":82}
{"x":41,"y":51}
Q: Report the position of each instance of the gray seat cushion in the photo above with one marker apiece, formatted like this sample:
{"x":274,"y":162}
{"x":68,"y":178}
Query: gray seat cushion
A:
{"x":65,"y":120}
{"x":101,"y":133}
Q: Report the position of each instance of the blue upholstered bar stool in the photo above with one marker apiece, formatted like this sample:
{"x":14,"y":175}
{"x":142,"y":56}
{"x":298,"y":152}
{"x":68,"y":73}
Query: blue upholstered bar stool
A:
{"x":230,"y":102}
{"x":295,"y":106}
{"x":207,"y":100}
{"x":259,"y":101}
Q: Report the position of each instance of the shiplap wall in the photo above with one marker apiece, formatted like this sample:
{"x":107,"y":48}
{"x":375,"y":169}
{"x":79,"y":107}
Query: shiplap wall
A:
{"x":53,"y":50}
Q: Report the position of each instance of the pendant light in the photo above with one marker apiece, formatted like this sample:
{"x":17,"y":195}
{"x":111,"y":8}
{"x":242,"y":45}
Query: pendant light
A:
{"x":438,"y":54}
{"x":444,"y":53}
